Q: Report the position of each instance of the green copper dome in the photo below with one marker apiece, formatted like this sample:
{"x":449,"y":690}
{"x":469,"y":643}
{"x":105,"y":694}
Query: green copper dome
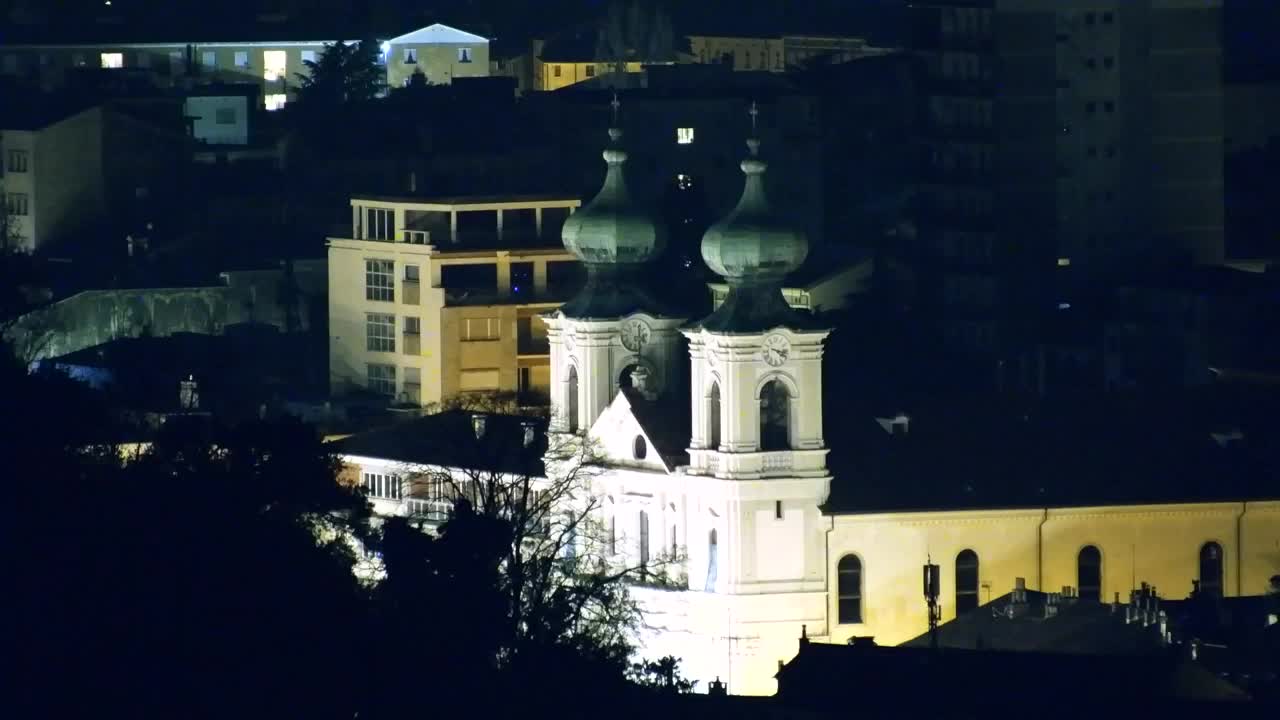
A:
{"x":753,"y":250}
{"x":611,"y":230}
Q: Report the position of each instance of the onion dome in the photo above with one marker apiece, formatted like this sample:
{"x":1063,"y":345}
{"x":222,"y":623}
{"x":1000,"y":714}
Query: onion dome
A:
{"x":614,"y":238}
{"x":753,"y":250}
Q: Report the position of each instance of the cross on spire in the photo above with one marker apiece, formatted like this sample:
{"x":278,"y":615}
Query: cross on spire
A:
{"x":615,"y":104}
{"x":754,"y":112}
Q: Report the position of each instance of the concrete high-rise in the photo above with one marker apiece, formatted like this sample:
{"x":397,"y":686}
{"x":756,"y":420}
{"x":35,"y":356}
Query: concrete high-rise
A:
{"x":1052,"y":134}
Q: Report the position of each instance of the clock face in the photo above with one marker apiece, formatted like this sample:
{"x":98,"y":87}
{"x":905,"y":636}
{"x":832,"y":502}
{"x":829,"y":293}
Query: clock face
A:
{"x":776,"y":350}
{"x":635,"y":333}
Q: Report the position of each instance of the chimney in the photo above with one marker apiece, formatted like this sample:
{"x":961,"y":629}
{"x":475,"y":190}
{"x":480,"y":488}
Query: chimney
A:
{"x":529,"y":433}
{"x":640,"y":382}
{"x":804,"y":636}
{"x":478,"y":421}
{"x":716,"y":688}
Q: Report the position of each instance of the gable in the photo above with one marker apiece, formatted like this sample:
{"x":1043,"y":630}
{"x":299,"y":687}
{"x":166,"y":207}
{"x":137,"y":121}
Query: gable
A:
{"x":615,"y":433}
{"x":437,"y":34}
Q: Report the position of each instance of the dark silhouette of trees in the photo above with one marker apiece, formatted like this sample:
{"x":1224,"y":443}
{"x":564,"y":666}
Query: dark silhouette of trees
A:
{"x":342,"y":73}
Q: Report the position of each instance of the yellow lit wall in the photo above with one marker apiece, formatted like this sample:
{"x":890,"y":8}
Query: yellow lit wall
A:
{"x":1156,"y":544}
{"x":555,"y":75}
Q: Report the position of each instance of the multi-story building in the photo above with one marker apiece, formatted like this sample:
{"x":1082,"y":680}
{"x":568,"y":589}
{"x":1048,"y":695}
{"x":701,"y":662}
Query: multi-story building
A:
{"x":432,"y":297}
{"x":777,"y":52}
{"x":69,"y":169}
{"x":1056,"y":134}
{"x":274,"y":63}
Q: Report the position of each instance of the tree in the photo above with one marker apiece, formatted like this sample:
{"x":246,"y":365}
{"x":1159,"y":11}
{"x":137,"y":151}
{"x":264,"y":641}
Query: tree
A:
{"x":10,"y":238}
{"x":344,"y":72}
{"x":560,"y":594}
{"x":662,"y":674}
{"x":635,"y":31}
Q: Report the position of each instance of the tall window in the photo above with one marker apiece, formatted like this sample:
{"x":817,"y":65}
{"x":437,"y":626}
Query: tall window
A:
{"x":382,"y":379}
{"x":380,"y":280}
{"x":1089,"y":574}
{"x":464,"y":55}
{"x":849,"y":590}
{"x":573,"y":399}
{"x":713,"y":558}
{"x":209,"y":59}
{"x":613,"y":534}
{"x":379,"y":224}
{"x":1211,"y":569}
{"x":774,"y":416}
{"x":410,"y":56}
{"x":644,"y":538}
{"x":17,"y":161}
{"x":17,"y":204}
{"x":380,"y":332}
{"x":713,"y":413}
{"x":966,"y":581}
{"x":381,"y":485}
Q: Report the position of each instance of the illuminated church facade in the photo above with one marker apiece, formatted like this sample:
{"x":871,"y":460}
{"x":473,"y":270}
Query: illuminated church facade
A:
{"x":710,"y":434}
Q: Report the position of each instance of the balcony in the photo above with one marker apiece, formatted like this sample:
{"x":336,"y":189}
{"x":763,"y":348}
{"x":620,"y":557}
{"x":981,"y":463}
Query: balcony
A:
{"x":783,"y":463}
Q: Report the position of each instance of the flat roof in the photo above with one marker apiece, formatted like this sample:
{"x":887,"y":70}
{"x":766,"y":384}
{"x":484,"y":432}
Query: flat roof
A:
{"x":476,"y":202}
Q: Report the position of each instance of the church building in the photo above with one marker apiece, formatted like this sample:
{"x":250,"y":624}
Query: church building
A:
{"x":714,"y":467}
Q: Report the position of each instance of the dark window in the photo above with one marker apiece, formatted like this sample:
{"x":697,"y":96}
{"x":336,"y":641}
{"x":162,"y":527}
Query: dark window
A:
{"x":644,"y":538}
{"x":713,"y":552}
{"x":966,"y":581}
{"x":713,"y":412}
{"x":849,"y":590}
{"x":573,"y":399}
{"x":1211,"y":569}
{"x":775,"y":409}
{"x":1108,"y":17}
{"x":1090,"y":18}
{"x":639,"y":448}
{"x":1089,"y":574}
{"x":1109,"y":106}
{"x":1091,"y":107}
{"x":1108,"y":62}
{"x":777,"y":510}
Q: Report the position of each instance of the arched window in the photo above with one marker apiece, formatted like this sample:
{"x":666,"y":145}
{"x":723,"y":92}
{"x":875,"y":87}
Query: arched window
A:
{"x":1089,"y":574}
{"x":775,"y":416}
{"x":573,"y":399}
{"x":966,"y":581}
{"x":713,"y":552}
{"x":713,"y":416}
{"x":1211,"y":569}
{"x":849,"y":589}
{"x":644,"y":538}
{"x":624,"y":377}
{"x":639,"y":448}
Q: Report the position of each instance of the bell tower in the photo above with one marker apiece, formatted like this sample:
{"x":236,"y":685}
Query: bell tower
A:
{"x":614,"y":324}
{"x":757,"y":451}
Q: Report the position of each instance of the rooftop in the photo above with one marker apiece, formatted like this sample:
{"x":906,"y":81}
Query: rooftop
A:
{"x":449,"y":439}
{"x":475,"y":202}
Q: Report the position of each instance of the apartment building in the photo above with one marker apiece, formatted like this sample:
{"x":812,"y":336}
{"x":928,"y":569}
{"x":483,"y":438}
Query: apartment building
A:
{"x":433,"y":297}
{"x":272,"y":62}
{"x":778,"y":53}
{"x":67,"y":169}
{"x":1056,"y":135}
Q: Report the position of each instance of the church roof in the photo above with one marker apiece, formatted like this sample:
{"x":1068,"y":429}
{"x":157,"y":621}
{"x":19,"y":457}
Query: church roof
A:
{"x":449,"y":439}
{"x":437,"y":34}
{"x":666,"y":424}
{"x":985,"y":455}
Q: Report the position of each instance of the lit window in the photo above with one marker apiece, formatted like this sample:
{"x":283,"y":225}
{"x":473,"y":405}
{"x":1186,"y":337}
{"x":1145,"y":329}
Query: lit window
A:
{"x":112,"y":60}
{"x":17,"y":161}
{"x":380,"y":332}
{"x":275,"y":101}
{"x":410,"y":56}
{"x":209,"y":59}
{"x":382,"y":379}
{"x":683,"y":182}
{"x":242,"y":59}
{"x":464,"y":55}
{"x":381,"y":485}
{"x":849,"y":590}
{"x":379,"y":280}
{"x":1064,"y":262}
{"x":684,"y":136}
